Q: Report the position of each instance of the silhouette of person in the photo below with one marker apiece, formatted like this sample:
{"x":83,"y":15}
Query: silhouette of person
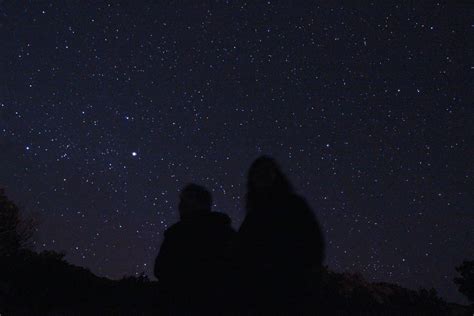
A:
{"x":279,"y":247}
{"x":192,"y":265}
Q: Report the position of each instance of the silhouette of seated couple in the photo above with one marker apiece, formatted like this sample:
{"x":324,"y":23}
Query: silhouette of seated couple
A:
{"x":271,"y":264}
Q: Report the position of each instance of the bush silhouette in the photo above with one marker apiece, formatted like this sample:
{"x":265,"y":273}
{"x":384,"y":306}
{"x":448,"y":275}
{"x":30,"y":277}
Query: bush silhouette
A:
{"x":15,"y":232}
{"x":466,"y":281}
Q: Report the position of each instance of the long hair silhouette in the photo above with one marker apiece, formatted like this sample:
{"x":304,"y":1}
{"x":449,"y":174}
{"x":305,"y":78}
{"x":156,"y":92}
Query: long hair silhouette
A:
{"x":280,"y":245}
{"x":265,"y":181}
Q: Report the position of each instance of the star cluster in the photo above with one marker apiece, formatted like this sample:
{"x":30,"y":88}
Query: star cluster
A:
{"x":107,"y":110}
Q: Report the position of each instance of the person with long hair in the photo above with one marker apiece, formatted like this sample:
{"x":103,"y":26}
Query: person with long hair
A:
{"x":280,"y":247}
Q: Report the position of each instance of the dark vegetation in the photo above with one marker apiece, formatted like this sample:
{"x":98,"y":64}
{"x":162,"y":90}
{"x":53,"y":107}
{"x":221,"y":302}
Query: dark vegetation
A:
{"x":45,"y":284}
{"x":466,"y":281}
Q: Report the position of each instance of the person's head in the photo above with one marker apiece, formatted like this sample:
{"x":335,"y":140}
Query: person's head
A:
{"x":194,"y":199}
{"x":265,"y":179}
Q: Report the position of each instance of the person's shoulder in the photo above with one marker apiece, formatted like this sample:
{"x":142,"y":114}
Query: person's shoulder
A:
{"x":301,"y":207}
{"x":298,"y":200}
{"x":220,"y":218}
{"x":173,"y":229}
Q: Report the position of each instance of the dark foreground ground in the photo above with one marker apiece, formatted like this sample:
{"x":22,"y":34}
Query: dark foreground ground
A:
{"x":45,"y":284}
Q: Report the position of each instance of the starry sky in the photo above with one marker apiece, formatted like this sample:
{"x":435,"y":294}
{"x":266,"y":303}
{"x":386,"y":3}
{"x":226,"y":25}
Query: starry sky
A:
{"x":108,"y":108}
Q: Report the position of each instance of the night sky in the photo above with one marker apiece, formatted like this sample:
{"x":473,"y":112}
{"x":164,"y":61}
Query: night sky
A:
{"x":107,"y":110}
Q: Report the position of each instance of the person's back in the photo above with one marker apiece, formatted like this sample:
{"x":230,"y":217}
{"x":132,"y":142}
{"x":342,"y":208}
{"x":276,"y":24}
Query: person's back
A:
{"x":193,"y":250}
{"x":281,"y":251}
{"x":192,"y":265}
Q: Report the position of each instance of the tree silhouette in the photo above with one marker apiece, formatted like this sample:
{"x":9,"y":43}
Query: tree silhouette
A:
{"x":466,"y":281}
{"x":14,"y":230}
